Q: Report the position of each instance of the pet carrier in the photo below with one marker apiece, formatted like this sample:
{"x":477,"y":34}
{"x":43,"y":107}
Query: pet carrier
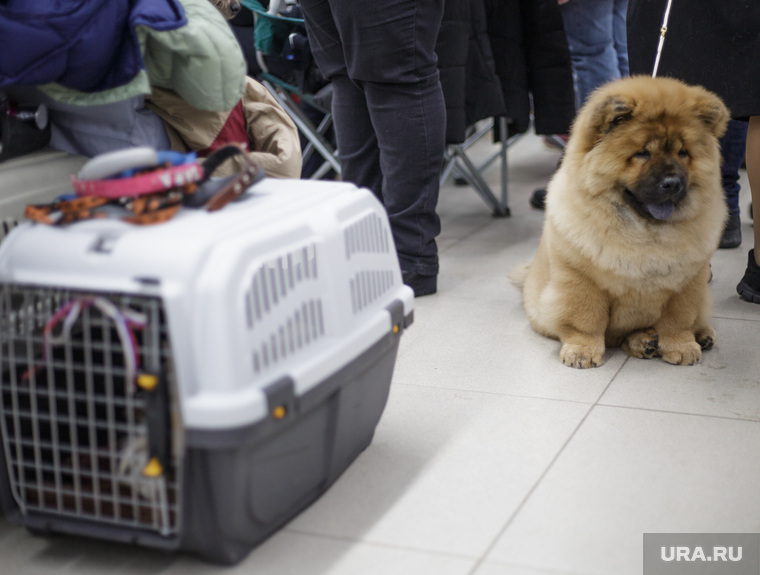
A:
{"x":195,"y":384}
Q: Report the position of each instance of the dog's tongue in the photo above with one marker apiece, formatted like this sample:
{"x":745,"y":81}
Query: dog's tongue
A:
{"x":661,"y":211}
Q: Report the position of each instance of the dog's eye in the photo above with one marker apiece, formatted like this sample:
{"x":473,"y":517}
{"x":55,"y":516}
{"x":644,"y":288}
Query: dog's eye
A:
{"x":683,"y":154}
{"x":642,"y":155}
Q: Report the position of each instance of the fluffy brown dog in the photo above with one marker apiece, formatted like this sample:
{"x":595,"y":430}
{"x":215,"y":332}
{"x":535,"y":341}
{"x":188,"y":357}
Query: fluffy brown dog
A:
{"x":633,"y":216}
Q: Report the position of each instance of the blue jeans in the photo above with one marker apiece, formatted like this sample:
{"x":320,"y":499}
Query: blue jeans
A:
{"x":732,"y":146}
{"x":596,"y":37}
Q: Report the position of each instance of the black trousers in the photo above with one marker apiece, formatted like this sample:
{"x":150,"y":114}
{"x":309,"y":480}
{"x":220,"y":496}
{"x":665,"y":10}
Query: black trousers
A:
{"x":388,"y":109}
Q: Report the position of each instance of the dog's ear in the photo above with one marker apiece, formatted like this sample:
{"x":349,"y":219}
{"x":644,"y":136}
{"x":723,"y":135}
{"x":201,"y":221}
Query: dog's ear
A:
{"x":600,"y":116}
{"x":611,"y":113}
{"x":713,"y":112}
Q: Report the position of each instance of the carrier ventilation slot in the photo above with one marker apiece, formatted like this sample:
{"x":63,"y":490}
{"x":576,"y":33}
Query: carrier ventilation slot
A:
{"x":367,"y":286}
{"x":77,"y":431}
{"x":302,"y":329}
{"x":368,"y":235}
{"x":276,"y":278}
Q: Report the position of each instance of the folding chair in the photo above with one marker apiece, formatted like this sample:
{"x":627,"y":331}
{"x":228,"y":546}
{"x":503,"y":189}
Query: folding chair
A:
{"x":271,"y":33}
{"x":459,"y":164}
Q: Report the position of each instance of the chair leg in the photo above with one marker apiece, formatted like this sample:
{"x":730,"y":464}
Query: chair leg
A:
{"x":306,"y":127}
{"x":504,"y":144}
{"x":458,"y":162}
{"x":469,"y":172}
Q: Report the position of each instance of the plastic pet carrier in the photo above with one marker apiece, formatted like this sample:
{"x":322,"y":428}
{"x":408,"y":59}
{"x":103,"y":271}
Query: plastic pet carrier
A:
{"x":195,"y":384}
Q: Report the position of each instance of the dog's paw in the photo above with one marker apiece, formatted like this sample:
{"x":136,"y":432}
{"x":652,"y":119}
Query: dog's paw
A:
{"x":706,"y":337}
{"x":581,"y":356}
{"x":642,"y":344}
{"x":683,"y":354}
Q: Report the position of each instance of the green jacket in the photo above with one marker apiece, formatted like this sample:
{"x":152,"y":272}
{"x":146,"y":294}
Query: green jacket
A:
{"x":202,"y":62}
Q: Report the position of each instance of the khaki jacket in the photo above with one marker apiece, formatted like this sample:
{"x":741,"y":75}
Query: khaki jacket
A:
{"x":272,"y":135}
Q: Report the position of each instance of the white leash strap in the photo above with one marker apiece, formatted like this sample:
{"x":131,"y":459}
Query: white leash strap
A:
{"x":663,"y":31}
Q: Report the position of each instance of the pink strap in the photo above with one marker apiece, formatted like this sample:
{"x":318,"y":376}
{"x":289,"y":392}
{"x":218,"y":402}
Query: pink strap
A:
{"x":156,"y":181}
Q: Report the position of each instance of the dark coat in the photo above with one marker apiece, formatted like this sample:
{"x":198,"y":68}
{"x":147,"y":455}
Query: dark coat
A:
{"x":470,"y":85}
{"x":715,"y":43}
{"x":532,"y":59}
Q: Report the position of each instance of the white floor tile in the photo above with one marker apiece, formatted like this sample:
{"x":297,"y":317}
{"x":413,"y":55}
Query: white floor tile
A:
{"x":627,"y":472}
{"x":725,"y":384}
{"x":486,"y":345}
{"x":301,"y":554}
{"x":445,"y":470}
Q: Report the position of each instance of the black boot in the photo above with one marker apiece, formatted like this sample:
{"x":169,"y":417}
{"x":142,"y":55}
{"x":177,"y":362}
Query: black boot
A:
{"x":422,"y":285}
{"x":732,"y":233}
{"x":749,"y":288}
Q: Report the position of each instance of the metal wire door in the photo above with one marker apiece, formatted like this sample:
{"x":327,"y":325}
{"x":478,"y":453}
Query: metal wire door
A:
{"x":85,"y":407}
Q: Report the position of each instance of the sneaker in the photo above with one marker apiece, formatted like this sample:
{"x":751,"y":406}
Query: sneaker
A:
{"x":538,"y":199}
{"x":422,"y":285}
{"x":749,"y":288}
{"x":732,"y":233}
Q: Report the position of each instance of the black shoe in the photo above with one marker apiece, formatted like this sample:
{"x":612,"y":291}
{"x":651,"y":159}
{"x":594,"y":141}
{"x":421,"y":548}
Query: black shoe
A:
{"x":422,"y":285}
{"x":732,"y":233}
{"x":749,"y":288}
{"x":538,"y":199}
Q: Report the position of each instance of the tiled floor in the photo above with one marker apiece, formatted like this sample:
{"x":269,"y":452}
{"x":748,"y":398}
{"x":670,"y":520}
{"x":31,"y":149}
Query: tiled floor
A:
{"x":494,"y":459}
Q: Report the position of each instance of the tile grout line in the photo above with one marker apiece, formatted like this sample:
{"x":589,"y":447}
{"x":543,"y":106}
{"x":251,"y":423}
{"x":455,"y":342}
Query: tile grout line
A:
{"x":495,"y":393}
{"x":727,"y":318}
{"x":353,"y":540}
{"x":545,"y":472}
{"x":670,"y":412}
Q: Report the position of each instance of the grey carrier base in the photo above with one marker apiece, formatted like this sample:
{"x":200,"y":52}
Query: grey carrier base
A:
{"x":242,"y":485}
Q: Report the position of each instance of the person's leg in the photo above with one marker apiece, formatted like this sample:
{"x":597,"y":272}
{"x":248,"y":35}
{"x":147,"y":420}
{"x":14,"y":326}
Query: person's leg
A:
{"x":413,"y":117}
{"x":355,"y":136}
{"x":620,"y":36}
{"x":732,"y":146}
{"x":324,"y":38}
{"x":354,"y":133}
{"x":588,"y":27}
{"x":749,"y":286}
{"x":390,"y":57}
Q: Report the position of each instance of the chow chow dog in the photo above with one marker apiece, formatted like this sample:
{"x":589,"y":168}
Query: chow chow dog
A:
{"x":633,"y":215}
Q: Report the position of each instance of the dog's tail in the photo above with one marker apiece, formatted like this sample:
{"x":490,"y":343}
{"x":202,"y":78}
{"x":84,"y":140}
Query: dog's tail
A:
{"x":518,"y":274}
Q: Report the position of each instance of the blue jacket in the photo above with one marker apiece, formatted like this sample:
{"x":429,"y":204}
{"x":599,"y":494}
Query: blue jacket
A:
{"x":85,"y":45}
{"x":92,"y":52}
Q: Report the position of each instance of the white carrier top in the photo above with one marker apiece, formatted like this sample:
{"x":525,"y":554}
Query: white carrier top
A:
{"x":290,"y":281}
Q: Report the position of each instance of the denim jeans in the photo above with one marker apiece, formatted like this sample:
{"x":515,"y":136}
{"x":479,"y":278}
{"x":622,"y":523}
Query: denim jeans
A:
{"x":596,"y":37}
{"x":388,"y":109}
{"x":732,"y":146}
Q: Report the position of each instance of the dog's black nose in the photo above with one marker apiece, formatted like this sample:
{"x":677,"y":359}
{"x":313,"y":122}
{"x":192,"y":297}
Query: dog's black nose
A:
{"x":671,"y":185}
{"x":234,"y":8}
